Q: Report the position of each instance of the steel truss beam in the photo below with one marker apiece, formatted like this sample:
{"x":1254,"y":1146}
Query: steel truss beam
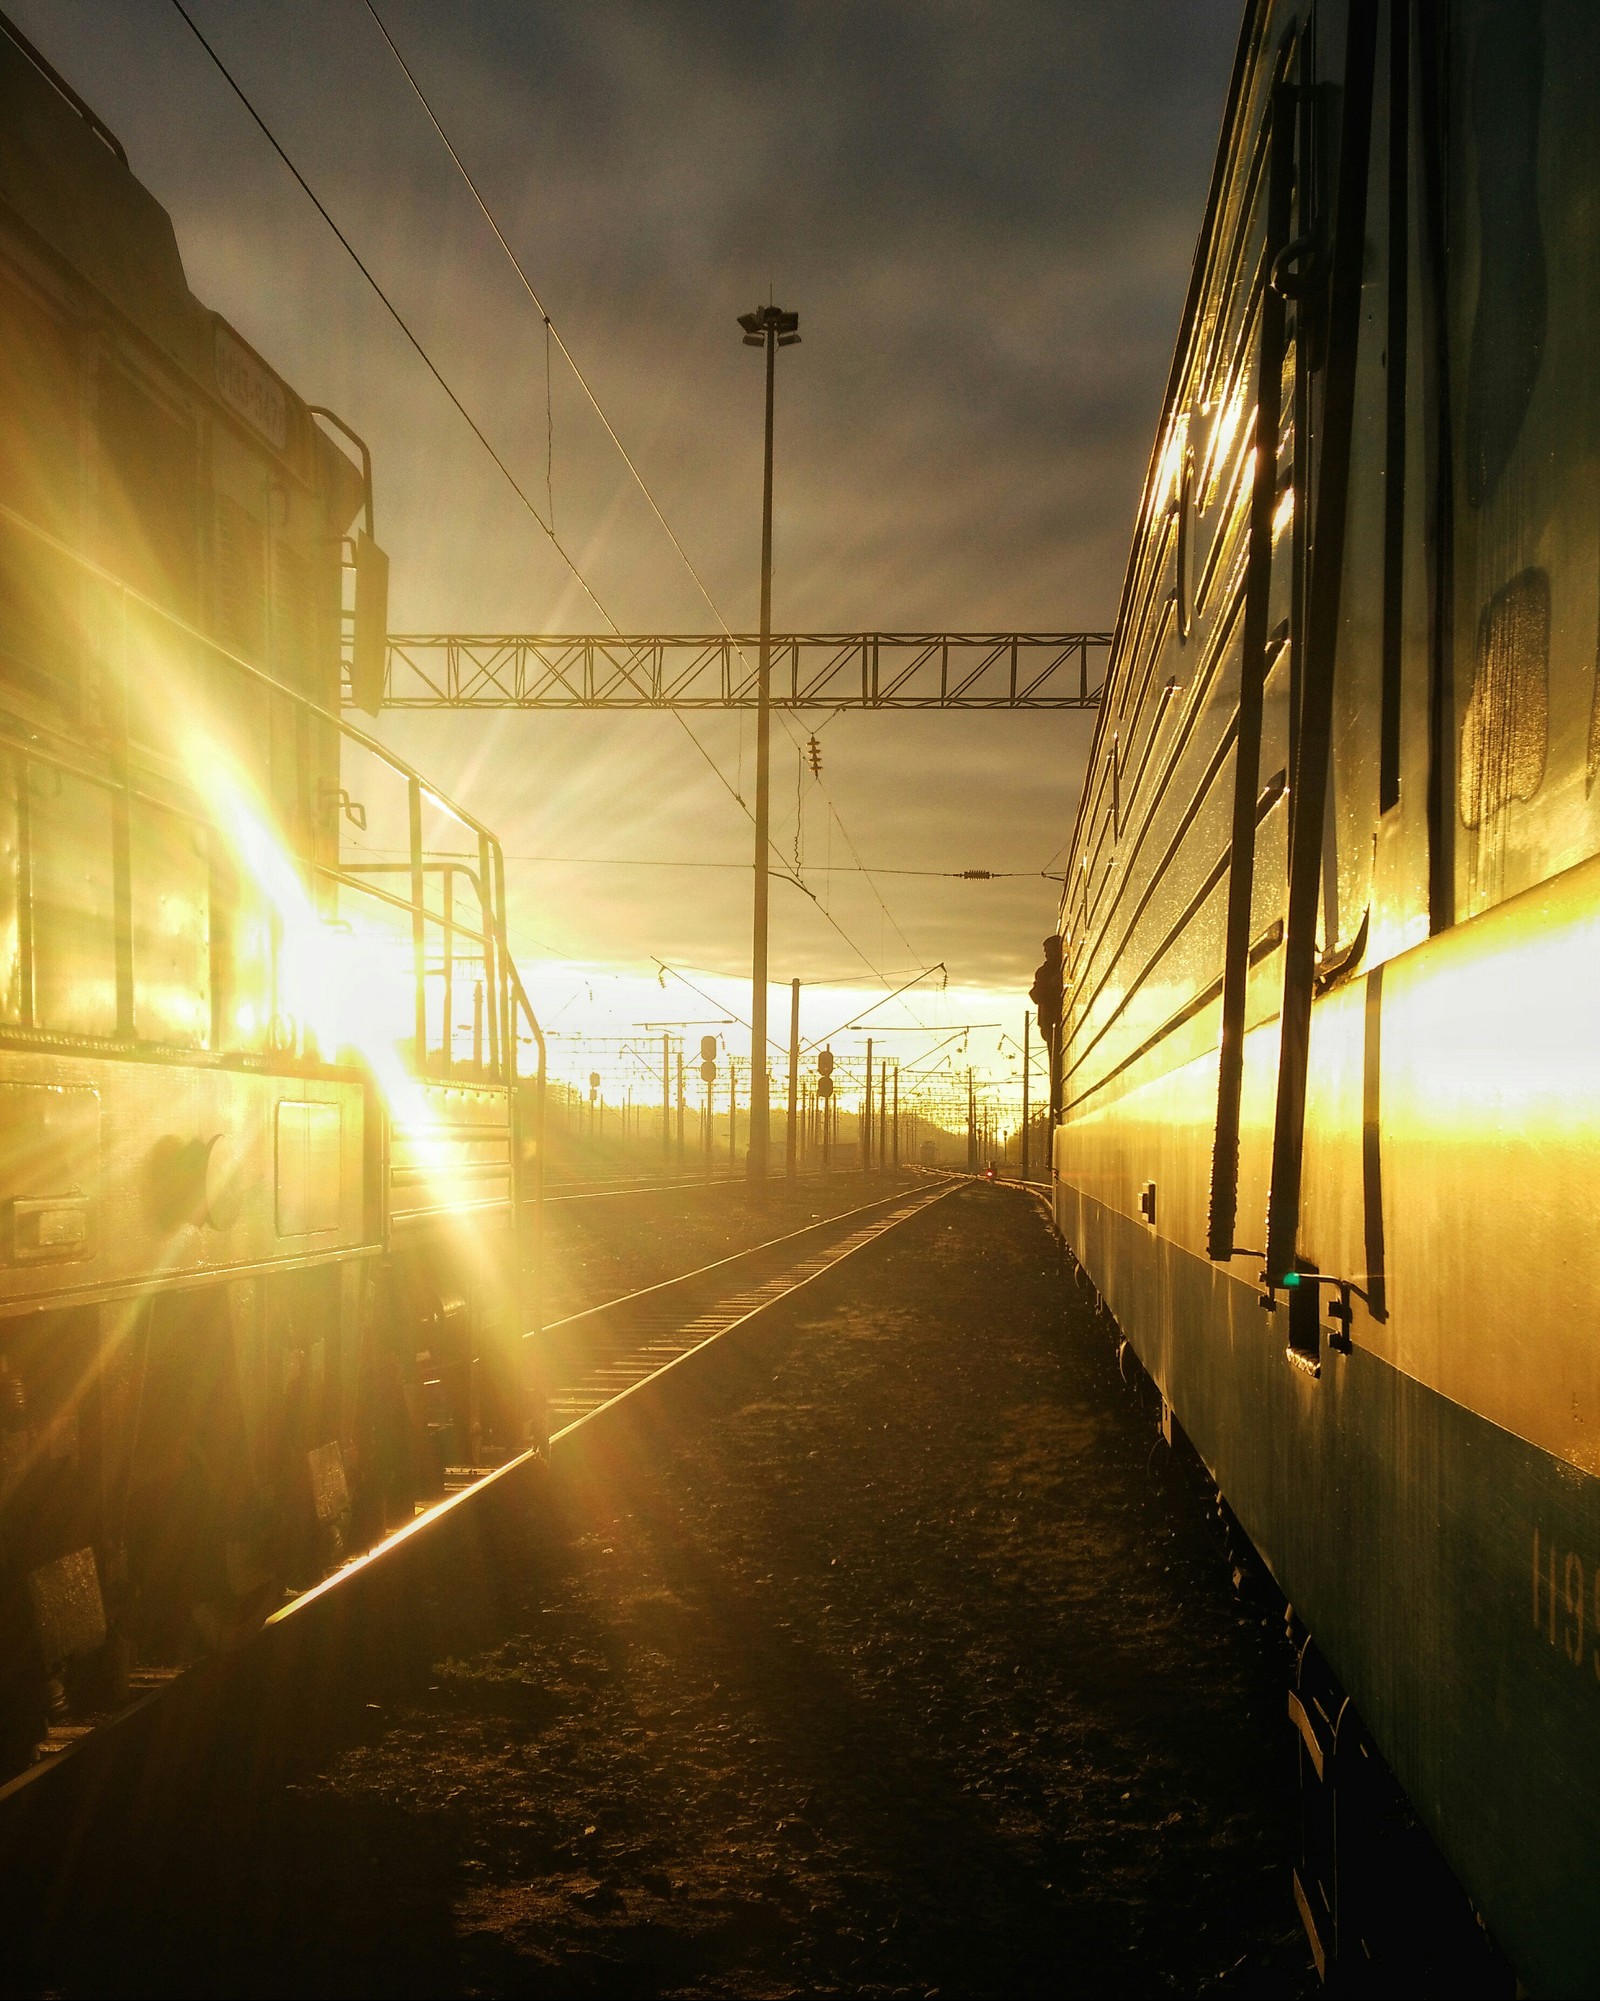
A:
{"x":810,"y":670}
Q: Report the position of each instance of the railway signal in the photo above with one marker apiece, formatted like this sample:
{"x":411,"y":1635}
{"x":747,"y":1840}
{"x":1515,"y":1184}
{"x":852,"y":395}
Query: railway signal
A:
{"x":708,"y":1076}
{"x":824,"y":1098}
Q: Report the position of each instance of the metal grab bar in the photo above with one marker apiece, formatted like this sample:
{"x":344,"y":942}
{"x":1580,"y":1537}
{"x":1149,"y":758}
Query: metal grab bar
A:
{"x":1254,"y":666}
{"x":1309,"y":786}
{"x":488,"y":877}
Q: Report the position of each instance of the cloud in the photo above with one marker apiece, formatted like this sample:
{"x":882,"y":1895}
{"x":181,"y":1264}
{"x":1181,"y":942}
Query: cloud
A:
{"x":985,"y":216}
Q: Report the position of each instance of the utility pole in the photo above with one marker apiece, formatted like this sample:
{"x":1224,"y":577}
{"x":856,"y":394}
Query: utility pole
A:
{"x":972,"y":1128}
{"x":1025,"y":1025}
{"x":866,"y":1116}
{"x":792,"y":1136}
{"x":768,"y":327}
{"x":666,"y":1099}
{"x":897,"y":1115}
{"x":682,"y":1158}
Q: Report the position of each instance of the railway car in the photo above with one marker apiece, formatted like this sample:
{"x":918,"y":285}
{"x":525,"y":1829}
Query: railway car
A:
{"x":267,"y":1163}
{"x":1329,"y":1133}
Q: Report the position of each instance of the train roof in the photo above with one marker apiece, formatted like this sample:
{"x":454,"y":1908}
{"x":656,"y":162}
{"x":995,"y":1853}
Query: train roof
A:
{"x":65,"y":175}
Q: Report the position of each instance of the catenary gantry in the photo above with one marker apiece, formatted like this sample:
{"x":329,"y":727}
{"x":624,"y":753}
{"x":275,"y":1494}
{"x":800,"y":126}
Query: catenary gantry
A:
{"x":810,"y":670}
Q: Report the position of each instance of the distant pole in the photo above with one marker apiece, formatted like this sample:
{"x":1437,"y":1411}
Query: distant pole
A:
{"x":866,"y":1116}
{"x":1026,"y":1018}
{"x":792,"y":1136}
{"x":769,"y":327}
{"x":972,"y":1128}
{"x":666,"y":1098}
{"x":883,"y":1112}
{"x":897,"y":1115}
{"x":683,"y":1157}
{"x":733,"y":1112}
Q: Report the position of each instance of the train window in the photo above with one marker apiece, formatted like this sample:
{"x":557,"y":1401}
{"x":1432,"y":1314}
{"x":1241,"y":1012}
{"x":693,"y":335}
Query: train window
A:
{"x":1522,"y":322}
{"x":72,"y":904}
{"x":241,"y":580}
{"x":147,"y":492}
{"x":242,"y":957}
{"x":169,"y":877}
{"x":40,"y":476}
{"x":293,"y":615}
{"x":10,"y":891}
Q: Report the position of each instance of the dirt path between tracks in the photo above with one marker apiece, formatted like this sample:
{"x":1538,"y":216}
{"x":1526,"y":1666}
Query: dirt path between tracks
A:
{"x":599,"y":1247}
{"x":901,"y":1661}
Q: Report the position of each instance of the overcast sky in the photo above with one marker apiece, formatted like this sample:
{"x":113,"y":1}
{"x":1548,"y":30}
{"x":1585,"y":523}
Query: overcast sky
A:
{"x":985,"y":217}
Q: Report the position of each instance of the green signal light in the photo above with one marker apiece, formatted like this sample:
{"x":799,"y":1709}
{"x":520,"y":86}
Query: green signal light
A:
{"x":1291,"y":1278}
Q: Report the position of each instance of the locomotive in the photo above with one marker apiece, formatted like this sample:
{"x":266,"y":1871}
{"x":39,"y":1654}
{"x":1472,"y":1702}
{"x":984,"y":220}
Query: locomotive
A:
{"x":1329,"y":1132}
{"x":270,"y":1096}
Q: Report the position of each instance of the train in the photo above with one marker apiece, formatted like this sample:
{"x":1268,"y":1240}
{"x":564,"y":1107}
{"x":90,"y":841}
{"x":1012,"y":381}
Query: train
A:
{"x":1328,"y":1074}
{"x":271,"y":1091}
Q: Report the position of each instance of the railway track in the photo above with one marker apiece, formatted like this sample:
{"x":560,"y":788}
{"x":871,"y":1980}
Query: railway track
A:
{"x":601,"y":1358}
{"x":629,"y":1341}
{"x":602,"y":1187}
{"x":677,"y":1184}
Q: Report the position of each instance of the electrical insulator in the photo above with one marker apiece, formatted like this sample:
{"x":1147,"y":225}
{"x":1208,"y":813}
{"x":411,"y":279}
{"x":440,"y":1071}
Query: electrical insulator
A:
{"x":814,"y":756}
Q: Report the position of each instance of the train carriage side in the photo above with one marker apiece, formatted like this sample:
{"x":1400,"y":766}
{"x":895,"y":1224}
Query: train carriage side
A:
{"x":1331,"y":1132}
{"x":261,"y":1248}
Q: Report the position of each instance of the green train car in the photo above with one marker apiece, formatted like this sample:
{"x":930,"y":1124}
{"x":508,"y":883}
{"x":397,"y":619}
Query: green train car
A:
{"x":1329,"y":1136}
{"x":267,"y":1166}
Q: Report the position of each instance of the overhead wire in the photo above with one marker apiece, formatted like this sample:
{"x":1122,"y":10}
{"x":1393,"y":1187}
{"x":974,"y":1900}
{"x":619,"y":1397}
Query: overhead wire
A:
{"x":433,"y":369}
{"x":552,"y":331}
{"x":547,"y":526}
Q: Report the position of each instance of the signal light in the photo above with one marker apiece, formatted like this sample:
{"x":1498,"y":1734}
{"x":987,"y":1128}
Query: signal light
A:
{"x":708,"y":1049}
{"x":708,"y":1072}
{"x":825,"y":1063}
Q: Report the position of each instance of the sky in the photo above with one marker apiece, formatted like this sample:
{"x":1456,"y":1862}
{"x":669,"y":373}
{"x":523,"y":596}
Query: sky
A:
{"x":985,"y":216}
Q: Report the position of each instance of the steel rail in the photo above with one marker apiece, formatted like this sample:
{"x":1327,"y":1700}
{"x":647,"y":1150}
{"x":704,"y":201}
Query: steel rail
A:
{"x":658,"y":1346}
{"x":642,"y":1334}
{"x":600,"y":1189}
{"x":150,"y":1726}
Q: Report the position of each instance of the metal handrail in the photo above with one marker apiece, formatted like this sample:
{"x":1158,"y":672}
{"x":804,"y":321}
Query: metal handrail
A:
{"x":490,"y":873}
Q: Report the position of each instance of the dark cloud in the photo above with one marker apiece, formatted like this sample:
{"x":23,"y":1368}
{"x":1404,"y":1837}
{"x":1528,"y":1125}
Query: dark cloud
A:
{"x":985,"y":215}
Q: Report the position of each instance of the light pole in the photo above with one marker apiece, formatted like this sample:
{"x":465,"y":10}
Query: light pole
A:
{"x":792,"y":1131}
{"x":768,"y":327}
